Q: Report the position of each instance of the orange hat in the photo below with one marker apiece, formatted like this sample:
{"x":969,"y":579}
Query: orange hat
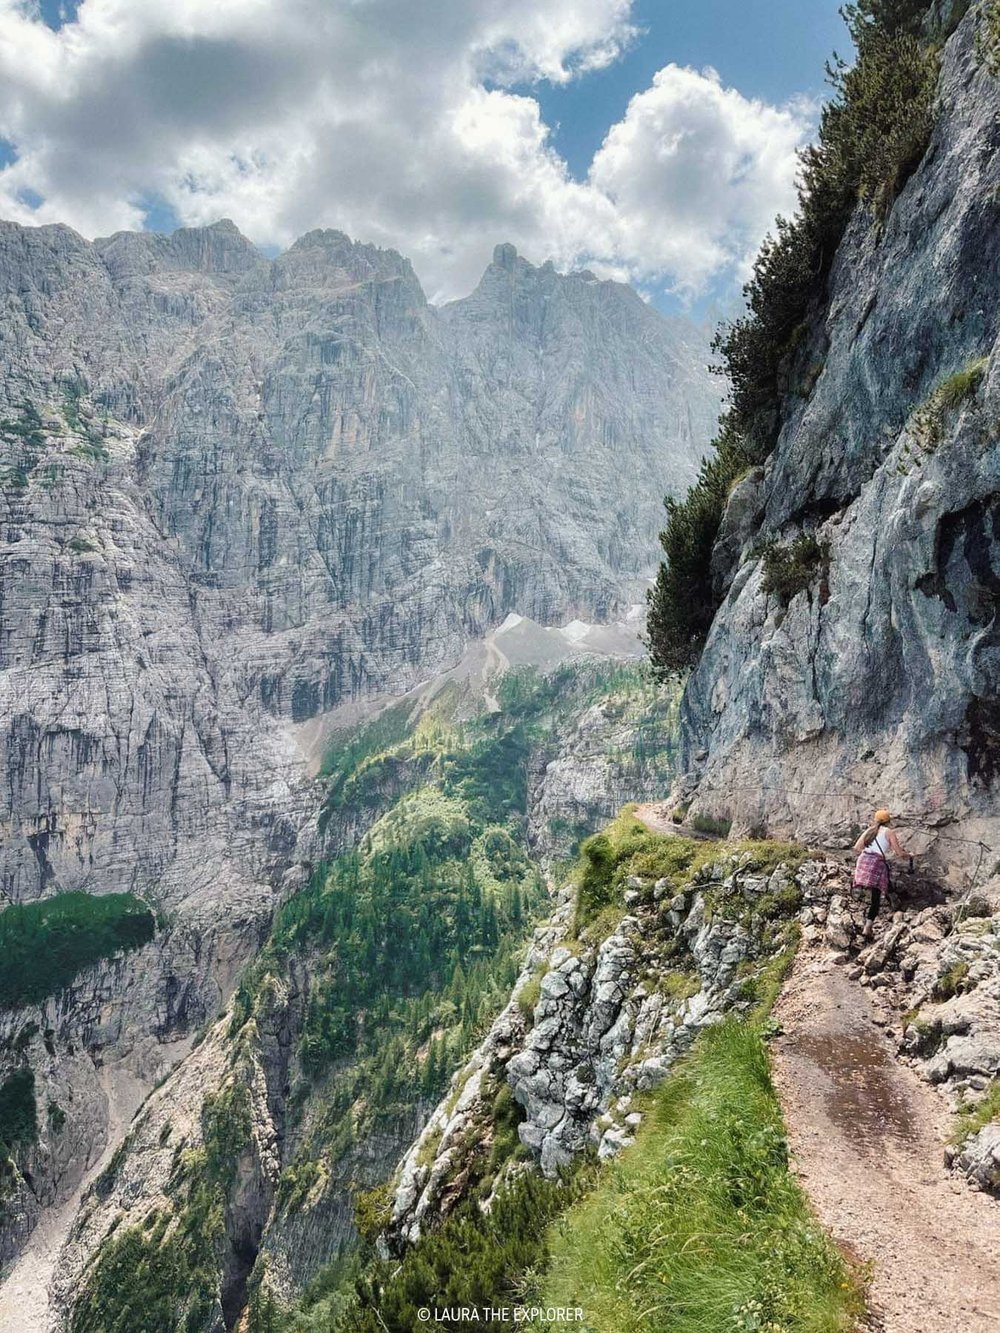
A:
{"x":882,"y":817}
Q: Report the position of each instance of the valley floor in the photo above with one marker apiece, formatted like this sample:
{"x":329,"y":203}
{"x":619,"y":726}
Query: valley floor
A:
{"x":867,"y":1138}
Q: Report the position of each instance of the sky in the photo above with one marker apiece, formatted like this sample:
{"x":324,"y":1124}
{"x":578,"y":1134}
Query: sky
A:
{"x":650,"y":140}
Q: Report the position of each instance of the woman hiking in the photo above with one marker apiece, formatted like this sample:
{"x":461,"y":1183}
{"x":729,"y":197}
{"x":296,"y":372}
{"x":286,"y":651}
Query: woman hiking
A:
{"x":874,"y":847}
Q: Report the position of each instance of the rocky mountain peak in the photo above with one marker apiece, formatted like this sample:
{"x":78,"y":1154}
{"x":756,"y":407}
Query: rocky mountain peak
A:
{"x":218,"y":249}
{"x":505,"y":255}
{"x":319,"y":255}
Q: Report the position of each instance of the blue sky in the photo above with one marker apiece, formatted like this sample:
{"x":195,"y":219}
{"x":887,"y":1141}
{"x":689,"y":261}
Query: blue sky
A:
{"x":770,"y":49}
{"x":586,"y":131}
{"x":56,"y":13}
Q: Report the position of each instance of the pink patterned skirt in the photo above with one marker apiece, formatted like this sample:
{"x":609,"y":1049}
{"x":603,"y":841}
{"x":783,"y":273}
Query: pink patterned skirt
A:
{"x":871,"y":871}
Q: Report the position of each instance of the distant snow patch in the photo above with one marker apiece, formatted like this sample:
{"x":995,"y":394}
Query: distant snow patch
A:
{"x":512,"y":621}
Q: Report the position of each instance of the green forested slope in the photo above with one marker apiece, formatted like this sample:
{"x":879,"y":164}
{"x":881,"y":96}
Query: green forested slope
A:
{"x":379,"y":976}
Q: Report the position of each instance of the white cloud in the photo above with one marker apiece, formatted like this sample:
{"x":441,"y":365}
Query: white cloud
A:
{"x":392,"y":120}
{"x":696,"y":173}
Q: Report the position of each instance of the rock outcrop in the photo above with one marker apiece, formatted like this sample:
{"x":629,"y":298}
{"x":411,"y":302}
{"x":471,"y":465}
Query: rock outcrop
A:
{"x":875,"y":682}
{"x":621,"y":749}
{"x":593,"y":1021}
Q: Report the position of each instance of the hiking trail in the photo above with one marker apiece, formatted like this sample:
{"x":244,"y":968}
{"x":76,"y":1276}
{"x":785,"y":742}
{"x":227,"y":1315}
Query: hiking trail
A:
{"x":867,"y":1138}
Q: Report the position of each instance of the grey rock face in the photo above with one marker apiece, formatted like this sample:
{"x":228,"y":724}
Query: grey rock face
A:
{"x":954,"y":985}
{"x":618,"y":751}
{"x":878,"y":684}
{"x":980,"y":1158}
{"x":434,"y":1158}
{"x":251,"y":489}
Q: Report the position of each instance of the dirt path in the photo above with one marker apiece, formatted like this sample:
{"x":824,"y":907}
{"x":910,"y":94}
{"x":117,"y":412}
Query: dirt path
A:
{"x":656,"y":816}
{"x":867,"y":1139}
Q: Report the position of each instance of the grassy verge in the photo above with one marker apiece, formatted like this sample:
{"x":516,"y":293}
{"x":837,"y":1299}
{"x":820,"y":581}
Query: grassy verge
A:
{"x":626,"y":847}
{"x":700,"y":1228}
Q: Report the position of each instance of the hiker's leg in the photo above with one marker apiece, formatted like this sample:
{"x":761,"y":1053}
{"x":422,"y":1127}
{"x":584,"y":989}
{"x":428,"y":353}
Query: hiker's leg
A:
{"x":875,"y":902}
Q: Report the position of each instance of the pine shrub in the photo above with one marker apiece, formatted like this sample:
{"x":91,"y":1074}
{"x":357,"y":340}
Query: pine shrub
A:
{"x":988,"y":37}
{"x":18,"y":1112}
{"x":872,"y":134}
{"x":474,"y":1260}
{"x":792,"y":567}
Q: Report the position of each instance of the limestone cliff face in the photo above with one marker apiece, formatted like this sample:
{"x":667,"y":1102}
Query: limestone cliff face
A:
{"x":552,"y":391}
{"x":235,"y":492}
{"x":238,"y":491}
{"x":876,"y":683}
{"x":620,"y":750}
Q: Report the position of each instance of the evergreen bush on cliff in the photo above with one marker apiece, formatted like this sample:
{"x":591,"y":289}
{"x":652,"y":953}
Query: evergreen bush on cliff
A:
{"x":872,"y":135}
{"x":988,"y":38}
{"x":18,"y":1112}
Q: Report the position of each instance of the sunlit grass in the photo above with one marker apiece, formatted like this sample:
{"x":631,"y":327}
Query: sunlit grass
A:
{"x":700,"y":1227}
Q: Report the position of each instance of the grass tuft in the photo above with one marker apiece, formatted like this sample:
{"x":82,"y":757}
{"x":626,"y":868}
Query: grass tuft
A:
{"x":972,"y":1119}
{"x":948,"y":396}
{"x":952,"y":982}
{"x":716,"y":826}
{"x":627,"y":847}
{"x":529,"y":995}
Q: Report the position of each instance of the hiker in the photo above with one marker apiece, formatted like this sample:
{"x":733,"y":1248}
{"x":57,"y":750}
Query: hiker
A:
{"x":874,"y":847}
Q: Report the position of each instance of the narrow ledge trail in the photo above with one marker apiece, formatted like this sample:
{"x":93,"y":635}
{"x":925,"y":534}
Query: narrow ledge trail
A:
{"x":867,"y":1142}
{"x":866,"y":1137}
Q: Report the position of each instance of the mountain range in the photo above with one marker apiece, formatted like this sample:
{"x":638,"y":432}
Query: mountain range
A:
{"x":241,"y":494}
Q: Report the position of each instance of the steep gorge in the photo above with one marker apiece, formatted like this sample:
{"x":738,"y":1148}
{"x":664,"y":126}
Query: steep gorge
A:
{"x":237,"y":493}
{"x":241,"y":1175}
